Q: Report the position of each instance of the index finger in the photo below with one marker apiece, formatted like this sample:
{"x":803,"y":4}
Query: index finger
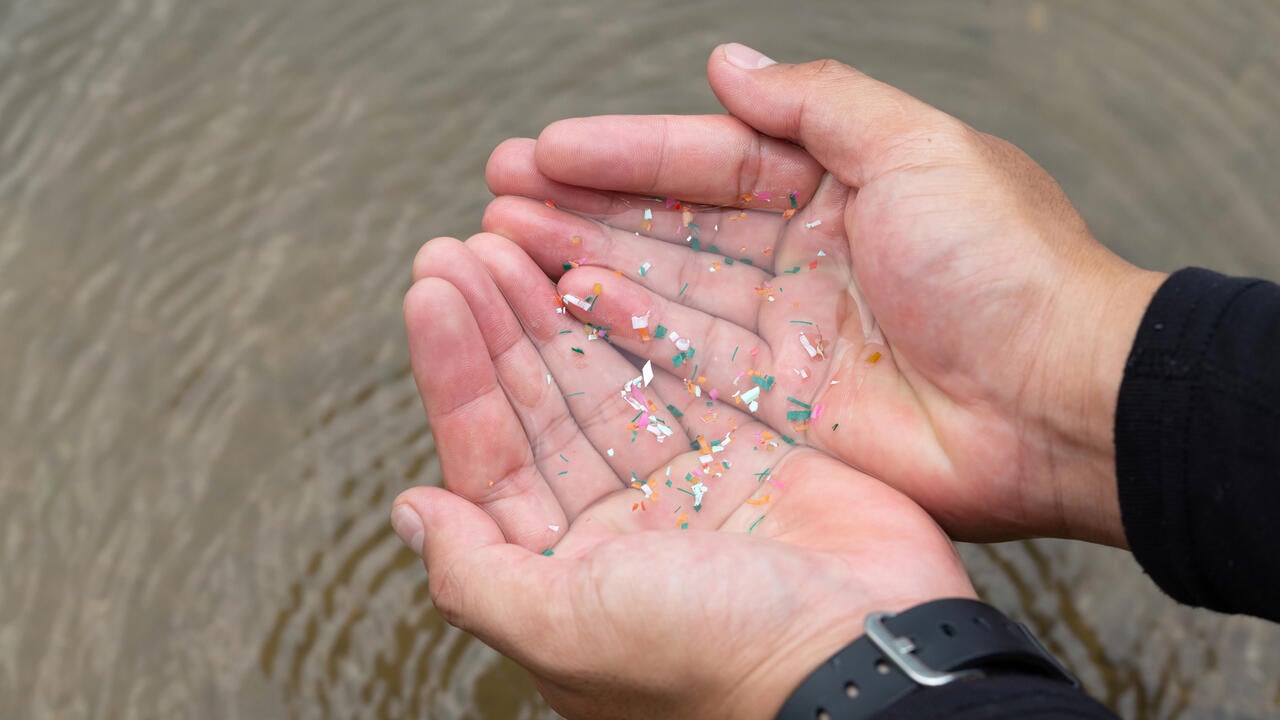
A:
{"x":710,"y":159}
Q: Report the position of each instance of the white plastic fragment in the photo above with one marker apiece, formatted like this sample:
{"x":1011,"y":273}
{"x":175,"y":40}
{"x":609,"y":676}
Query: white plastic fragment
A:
{"x":698,"y":491}
{"x":808,"y":346}
{"x":554,"y":528}
{"x":647,"y":372}
{"x":577,"y":301}
{"x":814,"y":224}
{"x":639,"y":321}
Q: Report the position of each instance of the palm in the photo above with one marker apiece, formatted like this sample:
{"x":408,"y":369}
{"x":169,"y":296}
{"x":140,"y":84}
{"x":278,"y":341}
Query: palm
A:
{"x":772,"y":518}
{"x":934,"y":410}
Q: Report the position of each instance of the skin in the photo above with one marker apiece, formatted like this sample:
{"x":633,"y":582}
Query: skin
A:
{"x":632,"y":616}
{"x":1003,"y":325}
{"x":1001,"y":328}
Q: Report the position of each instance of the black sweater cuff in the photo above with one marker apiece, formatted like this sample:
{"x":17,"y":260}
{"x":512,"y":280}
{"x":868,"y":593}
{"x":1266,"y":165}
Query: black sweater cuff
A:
{"x":1197,"y":435}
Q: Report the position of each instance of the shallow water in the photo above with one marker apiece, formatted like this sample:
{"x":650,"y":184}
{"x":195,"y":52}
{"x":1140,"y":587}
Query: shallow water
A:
{"x":207,"y":213}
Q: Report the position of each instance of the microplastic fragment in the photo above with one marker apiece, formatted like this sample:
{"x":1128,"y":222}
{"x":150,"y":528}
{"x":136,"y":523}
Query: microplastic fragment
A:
{"x":553,"y":528}
{"x":578,"y":302}
{"x":660,"y":332}
{"x":814,"y":224}
{"x":808,"y":346}
{"x":562,"y":457}
{"x":647,"y":373}
{"x":576,"y":394}
{"x":731,"y":357}
{"x":797,"y":402}
{"x":792,"y":271}
{"x":675,"y":411}
{"x":698,"y":491}
{"x":757,"y":522}
{"x":639,"y":321}
{"x":792,"y":198}
{"x":686,"y":287}
{"x":609,"y":452}
{"x":578,"y":350}
{"x":764,"y":381}
{"x":644,"y":269}
{"x":548,"y":552}
{"x":874,"y":357}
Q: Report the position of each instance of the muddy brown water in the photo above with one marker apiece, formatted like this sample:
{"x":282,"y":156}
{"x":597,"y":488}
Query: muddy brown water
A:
{"x":207,"y":214}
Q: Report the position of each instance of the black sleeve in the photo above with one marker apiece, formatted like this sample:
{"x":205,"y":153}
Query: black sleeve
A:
{"x":1197,"y":438}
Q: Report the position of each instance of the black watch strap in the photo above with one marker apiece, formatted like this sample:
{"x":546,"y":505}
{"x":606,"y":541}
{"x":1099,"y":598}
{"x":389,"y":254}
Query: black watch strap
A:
{"x":928,"y":645}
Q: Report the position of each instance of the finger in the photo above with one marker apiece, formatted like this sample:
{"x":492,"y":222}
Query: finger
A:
{"x":558,"y":241}
{"x":597,"y":380}
{"x":512,"y":170}
{"x":575,"y":470}
{"x":749,"y":236}
{"x":710,"y":159}
{"x":856,"y":127}
{"x":460,"y":391}
{"x":768,"y":374}
{"x":479,"y":582}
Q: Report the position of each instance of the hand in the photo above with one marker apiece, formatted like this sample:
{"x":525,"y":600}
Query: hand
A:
{"x":974,"y":362}
{"x":632,"y":616}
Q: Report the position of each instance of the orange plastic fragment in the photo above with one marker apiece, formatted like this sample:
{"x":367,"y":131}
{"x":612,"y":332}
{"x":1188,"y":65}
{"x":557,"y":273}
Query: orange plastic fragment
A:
{"x":551,"y":204}
{"x":786,"y":214}
{"x":874,"y":357}
{"x":758,"y":501}
{"x":576,"y":240}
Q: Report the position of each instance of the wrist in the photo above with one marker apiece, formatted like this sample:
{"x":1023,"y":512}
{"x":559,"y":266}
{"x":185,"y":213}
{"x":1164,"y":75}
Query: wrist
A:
{"x":930,"y":645}
{"x":1080,"y":405}
{"x":763,"y":693}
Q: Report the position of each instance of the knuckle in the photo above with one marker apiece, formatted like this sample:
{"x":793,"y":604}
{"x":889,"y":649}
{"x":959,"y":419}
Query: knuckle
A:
{"x":447,"y":591}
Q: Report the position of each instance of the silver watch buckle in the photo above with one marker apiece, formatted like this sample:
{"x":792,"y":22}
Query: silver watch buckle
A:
{"x":901,"y":651}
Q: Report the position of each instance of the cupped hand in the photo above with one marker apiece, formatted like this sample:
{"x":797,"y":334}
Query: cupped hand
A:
{"x":925,"y":291}
{"x":702,"y":575}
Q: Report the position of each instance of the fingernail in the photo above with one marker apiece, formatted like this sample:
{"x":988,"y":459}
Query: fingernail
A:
{"x":746,"y":58}
{"x":407,"y":524}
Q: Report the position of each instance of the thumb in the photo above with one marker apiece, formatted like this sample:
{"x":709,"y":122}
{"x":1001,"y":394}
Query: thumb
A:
{"x":857,"y":127}
{"x":503,"y":594}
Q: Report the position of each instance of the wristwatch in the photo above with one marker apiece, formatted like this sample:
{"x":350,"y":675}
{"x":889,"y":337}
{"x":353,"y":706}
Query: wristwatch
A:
{"x":929,"y":645}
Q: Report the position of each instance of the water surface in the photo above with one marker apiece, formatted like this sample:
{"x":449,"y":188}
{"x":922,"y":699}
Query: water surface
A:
{"x":207,"y":214}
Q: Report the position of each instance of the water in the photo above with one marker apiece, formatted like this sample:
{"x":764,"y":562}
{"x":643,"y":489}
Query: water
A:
{"x":207,"y":214}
